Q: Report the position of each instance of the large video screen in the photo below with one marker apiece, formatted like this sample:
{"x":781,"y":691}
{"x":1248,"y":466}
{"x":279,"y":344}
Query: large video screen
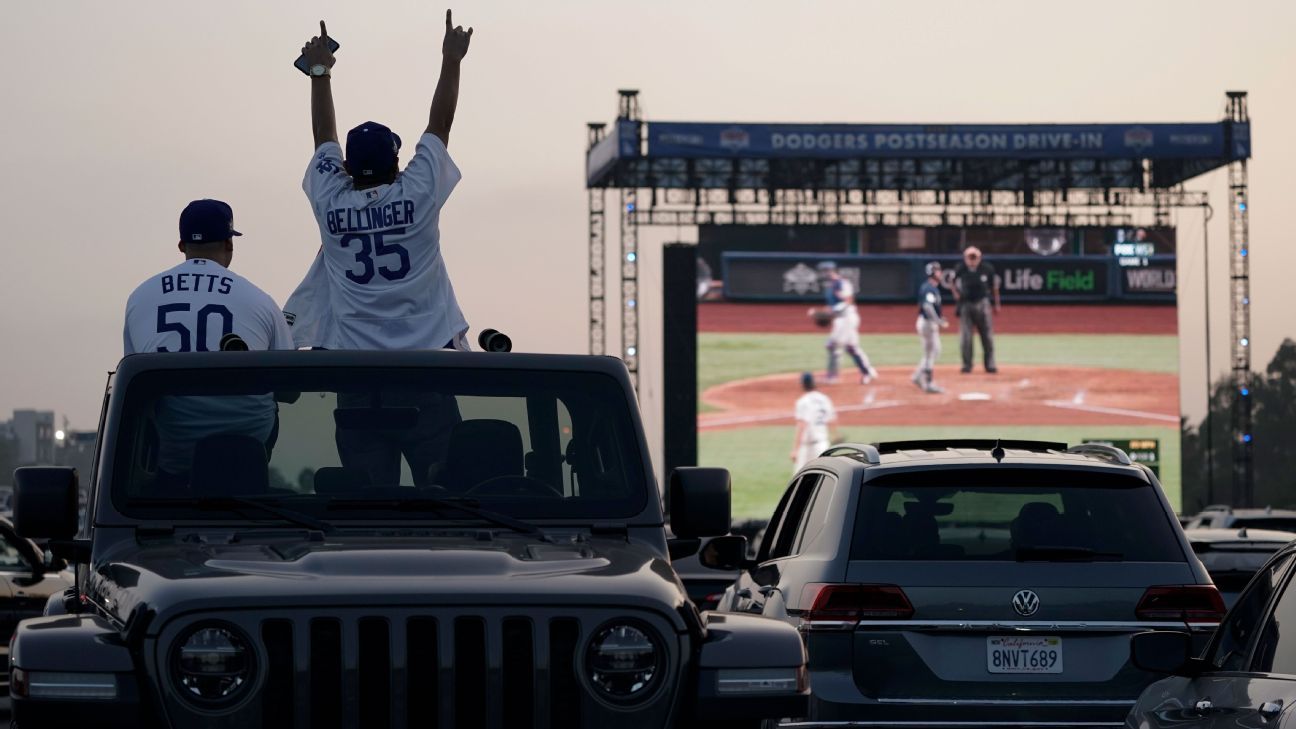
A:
{"x":1083,"y":333}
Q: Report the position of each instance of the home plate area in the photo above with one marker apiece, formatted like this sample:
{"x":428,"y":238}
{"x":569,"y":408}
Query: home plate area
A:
{"x":1016,"y":395}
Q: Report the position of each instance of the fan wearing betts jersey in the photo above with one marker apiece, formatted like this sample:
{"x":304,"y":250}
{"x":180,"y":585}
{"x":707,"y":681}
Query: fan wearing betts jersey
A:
{"x":191,"y":308}
{"x":379,"y":280}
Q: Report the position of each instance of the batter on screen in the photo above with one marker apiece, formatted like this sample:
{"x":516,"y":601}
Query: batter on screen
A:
{"x":930,"y":322}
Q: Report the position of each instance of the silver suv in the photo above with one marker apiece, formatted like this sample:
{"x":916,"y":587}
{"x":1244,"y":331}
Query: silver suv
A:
{"x":975,"y":582}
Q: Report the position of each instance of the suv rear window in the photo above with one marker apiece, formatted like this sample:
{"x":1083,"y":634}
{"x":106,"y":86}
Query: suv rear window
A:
{"x":1001,"y":514}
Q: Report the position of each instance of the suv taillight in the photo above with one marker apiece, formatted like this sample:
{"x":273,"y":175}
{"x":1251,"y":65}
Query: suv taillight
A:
{"x":1187,"y":603}
{"x":842,"y":606}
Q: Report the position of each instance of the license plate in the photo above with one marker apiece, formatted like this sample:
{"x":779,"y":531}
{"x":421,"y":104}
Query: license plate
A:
{"x":1024,"y":654}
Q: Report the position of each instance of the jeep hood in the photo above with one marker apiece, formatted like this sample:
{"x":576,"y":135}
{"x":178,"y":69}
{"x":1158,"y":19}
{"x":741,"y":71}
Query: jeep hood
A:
{"x":188,"y":575}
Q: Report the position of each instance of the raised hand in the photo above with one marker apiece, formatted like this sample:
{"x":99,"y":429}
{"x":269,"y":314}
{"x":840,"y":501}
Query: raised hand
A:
{"x":317,"y":50}
{"x":455,"y":45}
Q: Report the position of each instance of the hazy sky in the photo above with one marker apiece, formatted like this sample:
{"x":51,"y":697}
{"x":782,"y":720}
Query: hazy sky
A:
{"x":117,"y":114}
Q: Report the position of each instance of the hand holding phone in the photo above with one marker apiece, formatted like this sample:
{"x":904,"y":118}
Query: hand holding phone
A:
{"x":317,"y":51}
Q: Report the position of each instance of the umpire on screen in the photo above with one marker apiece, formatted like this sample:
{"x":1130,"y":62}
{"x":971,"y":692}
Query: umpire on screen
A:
{"x":976,"y":293}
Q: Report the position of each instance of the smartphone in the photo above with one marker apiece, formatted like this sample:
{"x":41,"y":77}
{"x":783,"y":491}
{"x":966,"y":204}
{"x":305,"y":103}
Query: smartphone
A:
{"x":300,"y":63}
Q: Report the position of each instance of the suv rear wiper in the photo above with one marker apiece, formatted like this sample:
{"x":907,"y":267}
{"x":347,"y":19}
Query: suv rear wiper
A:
{"x":235,"y":503}
{"x":1044,"y":553}
{"x":423,"y":503}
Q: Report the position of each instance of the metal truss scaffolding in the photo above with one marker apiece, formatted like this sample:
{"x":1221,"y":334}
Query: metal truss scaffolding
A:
{"x":1240,"y":314}
{"x":597,"y":254}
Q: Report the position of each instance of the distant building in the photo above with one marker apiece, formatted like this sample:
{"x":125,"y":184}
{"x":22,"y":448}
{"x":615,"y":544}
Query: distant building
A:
{"x":77,"y":451}
{"x":34,"y":431}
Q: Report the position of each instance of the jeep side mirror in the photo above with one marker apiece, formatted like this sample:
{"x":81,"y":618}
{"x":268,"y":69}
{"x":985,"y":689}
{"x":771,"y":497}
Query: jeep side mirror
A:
{"x":1162,"y":651}
{"x":45,"y":502}
{"x":699,"y":502}
{"x":727,"y":553}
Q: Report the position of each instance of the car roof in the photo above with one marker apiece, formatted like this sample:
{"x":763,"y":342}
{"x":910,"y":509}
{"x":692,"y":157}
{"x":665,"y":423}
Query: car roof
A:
{"x":1215,"y":535}
{"x":960,"y":452}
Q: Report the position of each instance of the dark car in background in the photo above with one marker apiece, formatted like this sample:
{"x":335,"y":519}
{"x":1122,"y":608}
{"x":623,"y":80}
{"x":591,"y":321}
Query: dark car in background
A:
{"x":1232,"y":556}
{"x":1226,"y":517}
{"x":976,"y":583}
{"x":28,"y":579}
{"x":1246,"y":677}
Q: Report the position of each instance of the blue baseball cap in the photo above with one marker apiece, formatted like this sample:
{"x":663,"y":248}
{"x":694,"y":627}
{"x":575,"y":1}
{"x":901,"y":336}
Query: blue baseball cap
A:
{"x":807,"y":380}
{"x":371,"y":150}
{"x":827,"y":266}
{"x":207,"y":221}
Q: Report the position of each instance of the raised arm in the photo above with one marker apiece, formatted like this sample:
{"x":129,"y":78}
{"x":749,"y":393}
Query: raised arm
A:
{"x":323,"y":117}
{"x":446,"y":97}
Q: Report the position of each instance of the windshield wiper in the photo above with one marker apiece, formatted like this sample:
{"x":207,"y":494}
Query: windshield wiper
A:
{"x":1043,"y":553}
{"x":235,"y":503}
{"x":467,"y":506}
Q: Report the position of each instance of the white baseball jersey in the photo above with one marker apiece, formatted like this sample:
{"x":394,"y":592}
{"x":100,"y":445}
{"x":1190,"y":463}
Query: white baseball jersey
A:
{"x":816,"y":411}
{"x":379,"y":280}
{"x":189,"y":308}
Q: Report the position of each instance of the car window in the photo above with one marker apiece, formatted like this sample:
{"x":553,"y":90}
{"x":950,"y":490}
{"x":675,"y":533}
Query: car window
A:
{"x":1275,"y":650}
{"x":1229,"y":651}
{"x":342,"y":442}
{"x":10,"y":558}
{"x":816,"y":515}
{"x":782,"y":539}
{"x":990,"y":514}
{"x":1279,"y":523}
{"x":767,"y":540}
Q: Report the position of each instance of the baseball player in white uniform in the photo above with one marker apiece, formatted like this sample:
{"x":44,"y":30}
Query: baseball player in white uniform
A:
{"x":839,"y":295}
{"x":192,"y":307}
{"x":379,"y":280}
{"x":816,"y":419}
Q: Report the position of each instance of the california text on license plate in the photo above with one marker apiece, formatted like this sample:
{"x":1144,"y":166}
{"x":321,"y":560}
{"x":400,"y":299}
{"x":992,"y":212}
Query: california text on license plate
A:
{"x":1024,"y":654}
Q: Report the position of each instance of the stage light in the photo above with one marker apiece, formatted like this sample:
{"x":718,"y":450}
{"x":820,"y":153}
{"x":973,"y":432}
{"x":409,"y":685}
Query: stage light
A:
{"x":1245,"y":392}
{"x":1246,"y":300}
{"x":630,"y":351}
{"x":1246,"y":438}
{"x":59,"y":435}
{"x":1242,"y":207}
{"x":1245,"y":341}
{"x":631,"y":257}
{"x":629,"y":207}
{"x":1244,"y":252}
{"x":631,"y":303}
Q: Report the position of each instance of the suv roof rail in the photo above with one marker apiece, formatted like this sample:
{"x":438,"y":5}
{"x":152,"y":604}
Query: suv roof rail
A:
{"x":869,"y":452}
{"x":1108,"y":453}
{"x":980,"y":444}
{"x":1218,"y":507}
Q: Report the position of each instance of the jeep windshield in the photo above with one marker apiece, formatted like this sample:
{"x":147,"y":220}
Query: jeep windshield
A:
{"x":378,"y":444}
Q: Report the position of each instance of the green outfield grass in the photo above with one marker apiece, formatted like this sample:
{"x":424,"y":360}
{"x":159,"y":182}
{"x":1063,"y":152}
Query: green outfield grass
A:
{"x":725,"y":357}
{"x":758,"y":457}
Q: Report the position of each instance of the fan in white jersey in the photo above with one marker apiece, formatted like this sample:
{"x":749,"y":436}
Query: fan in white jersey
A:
{"x":379,"y":280}
{"x":816,"y":424}
{"x":190,"y":308}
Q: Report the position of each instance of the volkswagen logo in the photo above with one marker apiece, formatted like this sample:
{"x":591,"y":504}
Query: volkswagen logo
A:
{"x":1026,"y":603}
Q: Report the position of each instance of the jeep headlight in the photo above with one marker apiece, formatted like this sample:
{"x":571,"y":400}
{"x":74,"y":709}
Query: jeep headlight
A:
{"x":624,"y":662}
{"x":213,"y":665}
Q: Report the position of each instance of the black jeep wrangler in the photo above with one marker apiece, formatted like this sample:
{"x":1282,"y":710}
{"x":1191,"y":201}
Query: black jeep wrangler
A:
{"x":378,"y":539}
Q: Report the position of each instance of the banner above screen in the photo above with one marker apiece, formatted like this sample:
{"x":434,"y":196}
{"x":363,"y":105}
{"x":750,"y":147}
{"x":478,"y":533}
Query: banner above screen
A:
{"x":910,"y":141}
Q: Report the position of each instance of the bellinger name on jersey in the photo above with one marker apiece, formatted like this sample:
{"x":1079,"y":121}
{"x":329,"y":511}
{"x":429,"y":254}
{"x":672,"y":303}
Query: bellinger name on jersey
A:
{"x":395,"y":214}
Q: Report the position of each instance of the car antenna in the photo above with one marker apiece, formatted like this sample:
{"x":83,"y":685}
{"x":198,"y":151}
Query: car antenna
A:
{"x":997,"y":452}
